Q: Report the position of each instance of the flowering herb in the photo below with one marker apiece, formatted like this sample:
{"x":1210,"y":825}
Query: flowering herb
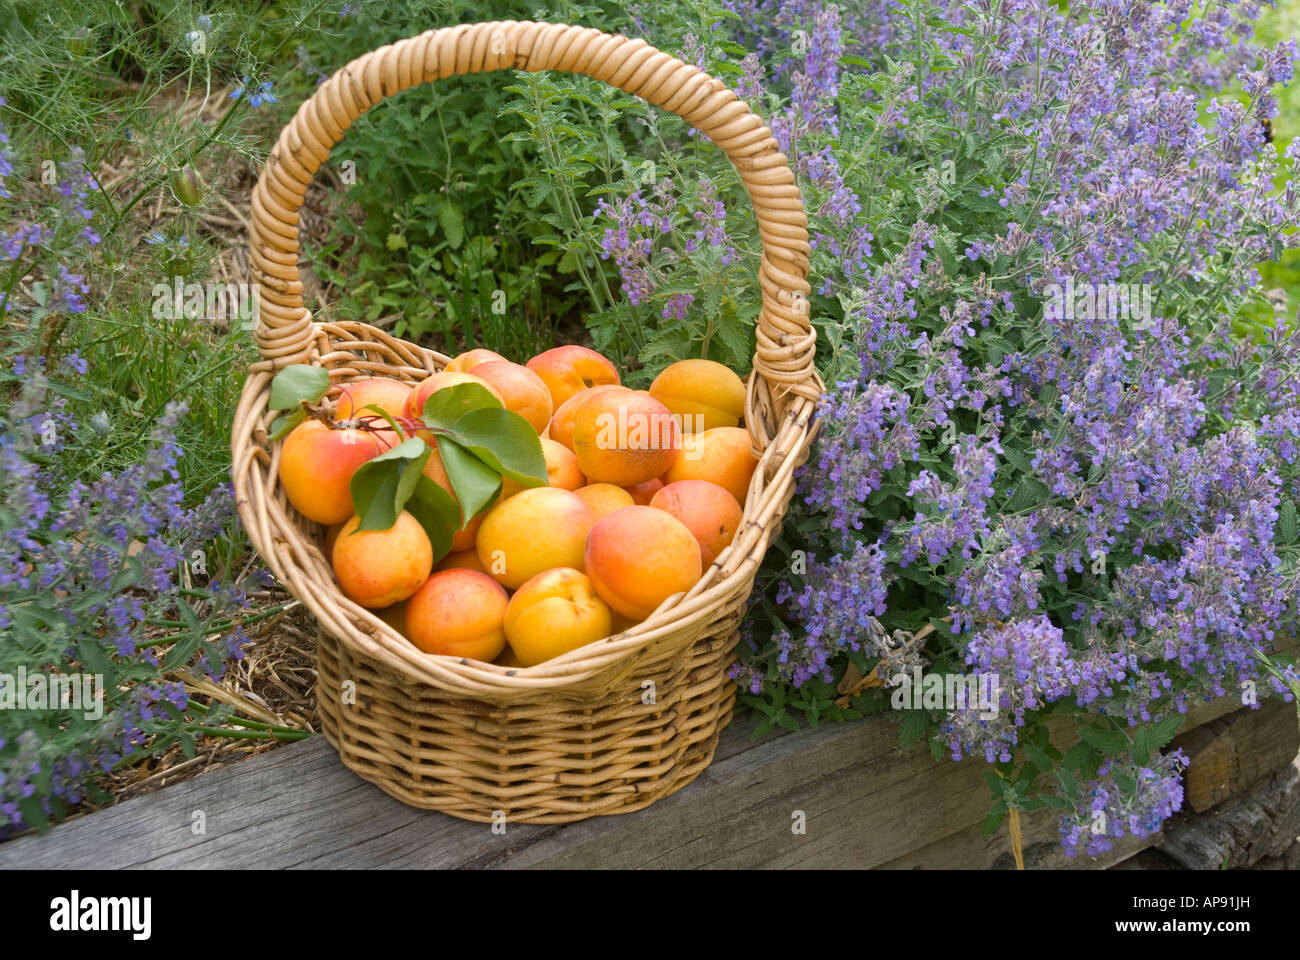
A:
{"x":87,"y":572}
{"x":1050,"y":437}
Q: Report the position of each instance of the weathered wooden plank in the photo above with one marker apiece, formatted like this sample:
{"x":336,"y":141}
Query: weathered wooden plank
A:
{"x":1263,"y":823}
{"x":864,"y":804}
{"x":1231,"y":754}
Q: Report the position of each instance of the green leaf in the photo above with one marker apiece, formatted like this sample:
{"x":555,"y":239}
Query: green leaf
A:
{"x":33,"y":812}
{"x":1052,"y":800}
{"x":1041,"y":761}
{"x":181,"y":652}
{"x":1142,"y":747}
{"x":993,"y":821}
{"x":444,"y":407}
{"x":1286,"y":522}
{"x":452,"y":224}
{"x":95,"y":661}
{"x":296,"y":383}
{"x":378,"y":481}
{"x":437,"y":513}
{"x":506,"y":442}
{"x":1164,"y":729}
{"x":913,"y":727}
{"x":1103,"y":740}
{"x":284,"y":423}
{"x":1017,"y":459}
{"x":475,"y":483}
{"x":1028,"y":493}
{"x":1068,"y":784}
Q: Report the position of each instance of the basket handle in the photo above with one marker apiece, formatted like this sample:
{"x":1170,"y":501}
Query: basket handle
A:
{"x":785,"y":337}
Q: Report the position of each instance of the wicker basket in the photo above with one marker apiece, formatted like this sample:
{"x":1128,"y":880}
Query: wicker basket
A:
{"x":612,"y":726}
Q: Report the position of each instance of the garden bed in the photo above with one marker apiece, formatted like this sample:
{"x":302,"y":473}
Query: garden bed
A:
{"x":865,"y":804}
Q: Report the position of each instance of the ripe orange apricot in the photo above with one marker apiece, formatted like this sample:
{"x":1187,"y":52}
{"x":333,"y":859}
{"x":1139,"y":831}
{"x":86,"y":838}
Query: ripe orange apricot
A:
{"x":458,"y":613}
{"x":316,"y":467}
{"x":561,"y":428}
{"x":621,"y":623}
{"x":643,"y":493}
{"x":638,"y":557}
{"x":461,"y":560}
{"x":553,"y":613}
{"x":566,"y":370}
{"x":624,"y":438}
{"x":377,"y":568}
{"x":507,"y":658}
{"x":384,"y":392}
{"x":711,"y":514}
{"x":535,"y":530}
{"x":703,"y":393}
{"x":331,"y":535}
{"x":720,"y":455}
{"x":603,"y":498}
{"x":523,"y":391}
{"x":561,"y":466}
{"x":467,"y":361}
{"x":438,"y":381}
{"x":394,"y":616}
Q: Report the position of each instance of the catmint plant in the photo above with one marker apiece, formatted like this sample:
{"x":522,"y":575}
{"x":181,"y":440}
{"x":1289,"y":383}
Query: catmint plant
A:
{"x":106,"y":591}
{"x":1050,"y":438}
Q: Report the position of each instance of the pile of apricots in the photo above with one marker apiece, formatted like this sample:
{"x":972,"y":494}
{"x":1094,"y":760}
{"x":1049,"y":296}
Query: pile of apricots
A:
{"x":645,"y":488}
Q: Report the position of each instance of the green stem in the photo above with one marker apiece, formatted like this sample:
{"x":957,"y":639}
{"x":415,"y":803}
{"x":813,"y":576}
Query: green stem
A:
{"x":253,"y":734}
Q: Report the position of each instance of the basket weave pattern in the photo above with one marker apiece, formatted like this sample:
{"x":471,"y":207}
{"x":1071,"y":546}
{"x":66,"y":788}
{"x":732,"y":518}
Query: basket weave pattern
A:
{"x":612,"y":726}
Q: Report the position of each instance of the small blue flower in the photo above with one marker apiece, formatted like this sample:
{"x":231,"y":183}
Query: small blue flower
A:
{"x":256,"y":97}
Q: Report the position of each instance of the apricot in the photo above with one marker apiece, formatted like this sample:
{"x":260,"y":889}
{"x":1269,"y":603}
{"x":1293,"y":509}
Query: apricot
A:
{"x":331,"y":535}
{"x":553,"y":613}
{"x":384,"y":392}
{"x":467,"y":361}
{"x":394,"y":616}
{"x":458,"y":613}
{"x":711,"y":514}
{"x":439,"y":381}
{"x":561,"y":466}
{"x":621,"y":623}
{"x":624,"y":438}
{"x":522,"y":390}
{"x":638,"y":557}
{"x":566,"y":370}
{"x":561,"y":427}
{"x":317,"y":462}
{"x":721,"y":456}
{"x":461,"y":560}
{"x":377,"y":568}
{"x":643,"y":493}
{"x":603,"y":498}
{"x":704,"y":394}
{"x":535,"y":530}
{"x":467,"y":537}
{"x":507,"y":658}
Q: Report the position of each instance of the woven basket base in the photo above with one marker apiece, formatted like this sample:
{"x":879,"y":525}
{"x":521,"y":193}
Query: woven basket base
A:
{"x":540,"y":761}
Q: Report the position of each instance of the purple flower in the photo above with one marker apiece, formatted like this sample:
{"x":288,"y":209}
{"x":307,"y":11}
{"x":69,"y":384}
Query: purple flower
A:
{"x":258,"y":94}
